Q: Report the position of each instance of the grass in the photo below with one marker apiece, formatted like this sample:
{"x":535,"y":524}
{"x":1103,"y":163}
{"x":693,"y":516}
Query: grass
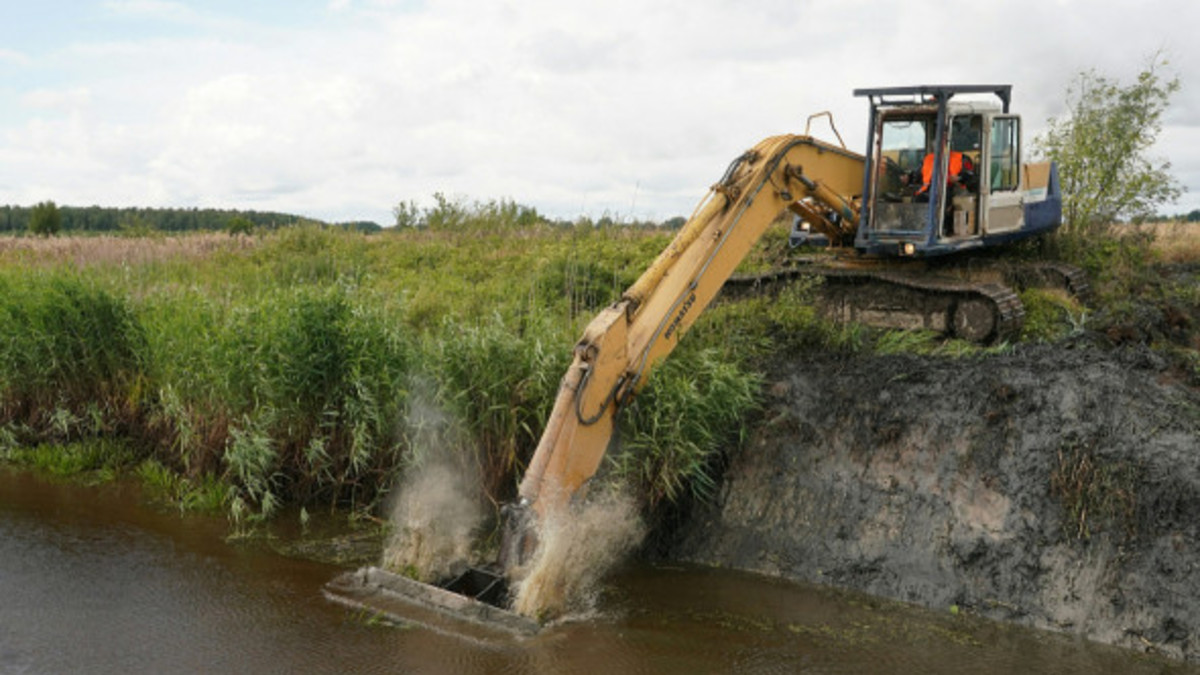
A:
{"x":71,"y":354}
{"x":254,"y":373}
{"x":257,"y":373}
{"x":696,"y":405}
{"x":1096,"y":495}
{"x":1051,"y":315}
{"x":1174,"y":241}
{"x":107,"y":250}
{"x":205,"y":494}
{"x":1145,"y":283}
{"x":93,"y":460}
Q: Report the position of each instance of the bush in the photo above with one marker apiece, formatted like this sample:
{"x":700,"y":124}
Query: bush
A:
{"x":1101,"y":146}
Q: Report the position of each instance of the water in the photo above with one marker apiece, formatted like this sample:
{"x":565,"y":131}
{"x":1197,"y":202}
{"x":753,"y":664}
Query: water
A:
{"x":94,"y":581}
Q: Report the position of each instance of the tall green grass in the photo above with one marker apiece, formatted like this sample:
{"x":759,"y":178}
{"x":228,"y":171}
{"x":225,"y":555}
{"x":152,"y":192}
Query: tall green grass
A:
{"x":500,"y":382}
{"x":296,"y":393}
{"x":283,"y":367}
{"x":72,"y":355}
{"x":672,"y":440}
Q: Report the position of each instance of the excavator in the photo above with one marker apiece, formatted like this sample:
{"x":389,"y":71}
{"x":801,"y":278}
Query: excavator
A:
{"x":942,"y":177}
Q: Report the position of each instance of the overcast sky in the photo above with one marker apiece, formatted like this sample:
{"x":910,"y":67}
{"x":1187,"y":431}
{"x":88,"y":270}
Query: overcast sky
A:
{"x":339,"y":109}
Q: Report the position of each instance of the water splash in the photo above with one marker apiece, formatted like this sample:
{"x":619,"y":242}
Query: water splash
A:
{"x":576,"y":549}
{"x":436,"y":511}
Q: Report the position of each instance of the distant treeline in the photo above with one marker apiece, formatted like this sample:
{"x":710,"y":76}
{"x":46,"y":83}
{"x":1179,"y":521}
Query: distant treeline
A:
{"x":108,"y":219}
{"x":1192,"y":216}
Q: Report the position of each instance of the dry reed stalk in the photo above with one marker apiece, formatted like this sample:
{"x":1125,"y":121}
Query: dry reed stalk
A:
{"x":1175,"y":242}
{"x":111,"y":250}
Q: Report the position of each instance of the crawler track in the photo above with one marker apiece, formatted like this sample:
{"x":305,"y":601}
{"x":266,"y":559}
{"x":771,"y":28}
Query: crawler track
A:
{"x":978,"y":303}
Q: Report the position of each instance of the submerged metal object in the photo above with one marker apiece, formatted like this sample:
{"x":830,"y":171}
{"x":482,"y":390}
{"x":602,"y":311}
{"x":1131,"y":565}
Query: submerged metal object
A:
{"x":469,"y":605}
{"x":472,"y":604}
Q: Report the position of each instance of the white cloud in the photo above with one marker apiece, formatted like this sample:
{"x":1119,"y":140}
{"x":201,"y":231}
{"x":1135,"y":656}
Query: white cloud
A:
{"x":156,"y":9}
{"x":14,"y":57}
{"x":564,"y":106}
{"x":73,"y":98}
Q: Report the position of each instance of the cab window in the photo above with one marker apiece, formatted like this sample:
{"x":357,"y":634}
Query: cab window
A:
{"x":1005,"y":133}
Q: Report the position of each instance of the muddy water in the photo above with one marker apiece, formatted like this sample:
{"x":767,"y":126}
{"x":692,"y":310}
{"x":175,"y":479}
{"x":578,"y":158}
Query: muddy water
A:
{"x":94,"y":581}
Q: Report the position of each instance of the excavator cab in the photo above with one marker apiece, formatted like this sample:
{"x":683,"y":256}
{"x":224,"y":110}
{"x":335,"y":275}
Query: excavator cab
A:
{"x":944,"y":173}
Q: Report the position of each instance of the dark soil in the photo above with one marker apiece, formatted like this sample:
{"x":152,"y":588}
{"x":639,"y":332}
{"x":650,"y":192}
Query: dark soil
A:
{"x":1056,"y":487}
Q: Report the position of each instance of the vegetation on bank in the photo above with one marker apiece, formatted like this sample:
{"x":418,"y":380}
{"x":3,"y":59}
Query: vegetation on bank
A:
{"x":245,"y":373}
{"x":1102,"y":146}
{"x":285,"y":366}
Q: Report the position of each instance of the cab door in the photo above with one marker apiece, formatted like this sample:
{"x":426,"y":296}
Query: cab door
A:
{"x":1003,"y":206}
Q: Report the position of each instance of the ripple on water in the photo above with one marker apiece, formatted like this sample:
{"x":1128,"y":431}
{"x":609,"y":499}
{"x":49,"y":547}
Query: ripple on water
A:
{"x":94,"y":582}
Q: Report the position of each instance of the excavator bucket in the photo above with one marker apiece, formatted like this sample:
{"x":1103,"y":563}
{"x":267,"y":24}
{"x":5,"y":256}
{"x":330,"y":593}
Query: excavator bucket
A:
{"x":470,"y":605}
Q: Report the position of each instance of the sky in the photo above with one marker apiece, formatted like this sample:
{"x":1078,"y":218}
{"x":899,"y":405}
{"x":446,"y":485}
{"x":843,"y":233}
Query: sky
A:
{"x":341,"y":109}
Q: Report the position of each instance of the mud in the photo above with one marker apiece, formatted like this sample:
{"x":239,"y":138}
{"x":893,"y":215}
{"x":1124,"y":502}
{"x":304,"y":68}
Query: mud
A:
{"x":1054,"y":487}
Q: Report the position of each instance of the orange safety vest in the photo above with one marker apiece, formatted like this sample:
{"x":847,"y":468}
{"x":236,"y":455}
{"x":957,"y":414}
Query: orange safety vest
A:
{"x":957,"y":163}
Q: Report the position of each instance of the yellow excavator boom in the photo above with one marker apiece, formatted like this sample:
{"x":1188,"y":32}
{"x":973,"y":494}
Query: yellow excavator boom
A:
{"x":822,"y":184}
{"x":625,"y":341}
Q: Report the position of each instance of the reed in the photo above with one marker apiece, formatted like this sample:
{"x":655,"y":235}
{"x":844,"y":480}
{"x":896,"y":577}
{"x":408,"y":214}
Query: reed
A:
{"x":282,"y":367}
{"x":72,"y":355}
{"x":695,"y":407}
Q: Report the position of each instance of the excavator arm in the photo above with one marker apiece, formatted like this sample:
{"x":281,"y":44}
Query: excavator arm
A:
{"x":612,"y":360}
{"x":626,"y":340}
{"x":821,"y":183}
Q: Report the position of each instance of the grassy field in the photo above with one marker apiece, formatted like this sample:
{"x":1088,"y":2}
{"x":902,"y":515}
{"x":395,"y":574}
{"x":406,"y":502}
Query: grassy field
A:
{"x":1174,"y":242}
{"x":286,"y":367}
{"x":298,"y":366}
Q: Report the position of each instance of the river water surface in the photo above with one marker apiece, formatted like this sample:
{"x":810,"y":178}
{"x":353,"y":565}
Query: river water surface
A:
{"x":93,"y":580}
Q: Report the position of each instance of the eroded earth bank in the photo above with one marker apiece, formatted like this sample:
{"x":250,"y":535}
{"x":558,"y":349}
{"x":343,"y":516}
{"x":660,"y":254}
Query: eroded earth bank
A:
{"x":1054,"y":487}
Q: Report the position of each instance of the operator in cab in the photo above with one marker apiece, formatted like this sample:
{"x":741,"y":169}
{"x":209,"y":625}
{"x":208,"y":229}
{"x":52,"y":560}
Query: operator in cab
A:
{"x":957,"y":172}
{"x":960,"y":172}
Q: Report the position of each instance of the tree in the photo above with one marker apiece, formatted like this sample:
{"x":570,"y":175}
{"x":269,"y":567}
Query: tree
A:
{"x":45,"y":219}
{"x":239,"y":224}
{"x":1101,"y":147}
{"x":408,"y":215}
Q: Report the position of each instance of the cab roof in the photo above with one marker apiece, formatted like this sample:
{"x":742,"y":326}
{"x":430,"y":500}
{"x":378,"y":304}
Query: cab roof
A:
{"x":932,"y":93}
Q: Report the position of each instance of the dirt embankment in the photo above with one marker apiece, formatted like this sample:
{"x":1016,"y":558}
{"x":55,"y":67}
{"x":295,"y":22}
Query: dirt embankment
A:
{"x":1054,"y":487}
